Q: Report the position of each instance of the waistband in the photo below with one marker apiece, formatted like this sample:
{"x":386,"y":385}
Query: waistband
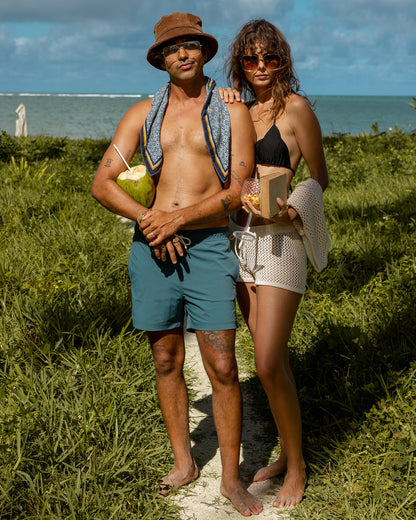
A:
{"x":267,"y":229}
{"x":194,"y":235}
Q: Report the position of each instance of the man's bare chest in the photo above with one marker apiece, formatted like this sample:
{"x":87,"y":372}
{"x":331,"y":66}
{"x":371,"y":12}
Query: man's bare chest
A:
{"x":182,"y":130}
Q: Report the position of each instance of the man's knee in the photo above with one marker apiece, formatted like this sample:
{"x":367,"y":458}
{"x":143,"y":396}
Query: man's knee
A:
{"x":168,"y":354}
{"x":217,"y":349}
{"x":166,"y":364}
{"x":223,"y":371}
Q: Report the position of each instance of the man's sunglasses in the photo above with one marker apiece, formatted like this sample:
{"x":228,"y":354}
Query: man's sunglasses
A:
{"x":192,"y":48}
{"x":251,"y":62}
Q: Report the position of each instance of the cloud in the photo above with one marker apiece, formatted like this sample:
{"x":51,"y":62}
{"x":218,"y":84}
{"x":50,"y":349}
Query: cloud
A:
{"x":367,"y":44}
{"x":7,"y":45}
{"x":101,"y":45}
{"x":368,"y":13}
{"x":103,"y":38}
{"x":63,"y":11}
{"x":79,"y":11}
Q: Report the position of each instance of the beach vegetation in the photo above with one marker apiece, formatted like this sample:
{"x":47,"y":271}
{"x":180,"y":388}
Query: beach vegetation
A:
{"x":354,"y":341}
{"x":81,"y":433}
{"x":413,"y":105}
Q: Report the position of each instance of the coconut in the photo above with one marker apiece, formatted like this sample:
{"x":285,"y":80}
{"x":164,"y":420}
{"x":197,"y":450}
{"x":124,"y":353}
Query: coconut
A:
{"x":138,"y":184}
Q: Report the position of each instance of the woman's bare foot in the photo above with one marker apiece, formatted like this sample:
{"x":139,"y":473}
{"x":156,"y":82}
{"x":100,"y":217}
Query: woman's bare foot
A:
{"x":243,"y":501}
{"x":177,"y":478}
{"x":273,"y":470}
{"x":291,"y":493}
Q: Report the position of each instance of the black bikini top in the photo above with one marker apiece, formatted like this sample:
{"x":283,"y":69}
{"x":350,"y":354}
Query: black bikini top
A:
{"x":271,"y":149}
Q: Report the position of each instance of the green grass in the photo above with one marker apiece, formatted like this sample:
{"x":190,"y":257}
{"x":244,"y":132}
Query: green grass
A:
{"x":353,"y":344}
{"x":81,"y":434}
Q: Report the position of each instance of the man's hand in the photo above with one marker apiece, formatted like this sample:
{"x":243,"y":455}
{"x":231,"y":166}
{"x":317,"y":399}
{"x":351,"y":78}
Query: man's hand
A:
{"x":158,"y":226}
{"x":169,"y":247}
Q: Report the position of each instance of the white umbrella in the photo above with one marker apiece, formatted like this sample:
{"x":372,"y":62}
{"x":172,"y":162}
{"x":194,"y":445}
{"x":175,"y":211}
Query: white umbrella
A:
{"x":21,"y":124}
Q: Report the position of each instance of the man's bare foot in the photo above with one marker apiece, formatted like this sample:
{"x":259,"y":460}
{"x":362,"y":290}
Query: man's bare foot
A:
{"x":291,"y":493}
{"x":177,"y":478}
{"x":273,"y":470}
{"x":243,"y":501}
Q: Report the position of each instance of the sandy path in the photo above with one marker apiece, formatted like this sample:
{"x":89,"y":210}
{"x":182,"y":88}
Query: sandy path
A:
{"x":202,"y":500}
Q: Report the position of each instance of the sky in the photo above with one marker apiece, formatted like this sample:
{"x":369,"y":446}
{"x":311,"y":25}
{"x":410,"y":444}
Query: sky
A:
{"x":354,"y":47}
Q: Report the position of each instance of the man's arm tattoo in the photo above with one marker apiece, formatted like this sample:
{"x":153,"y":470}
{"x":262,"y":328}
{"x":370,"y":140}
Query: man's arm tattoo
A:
{"x":109,"y":160}
{"x":226,"y":202}
{"x":236,"y":177}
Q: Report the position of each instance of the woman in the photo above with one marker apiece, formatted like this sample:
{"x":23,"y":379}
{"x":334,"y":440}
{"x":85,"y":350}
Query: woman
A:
{"x":273,"y":266}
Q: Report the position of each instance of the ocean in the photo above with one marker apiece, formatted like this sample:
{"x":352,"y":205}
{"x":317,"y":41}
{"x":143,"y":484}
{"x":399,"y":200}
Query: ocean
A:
{"x":79,"y":116}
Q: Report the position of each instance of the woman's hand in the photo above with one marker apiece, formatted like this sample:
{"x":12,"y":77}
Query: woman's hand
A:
{"x":249,"y":208}
{"x":229,"y":95}
{"x":286,"y":215}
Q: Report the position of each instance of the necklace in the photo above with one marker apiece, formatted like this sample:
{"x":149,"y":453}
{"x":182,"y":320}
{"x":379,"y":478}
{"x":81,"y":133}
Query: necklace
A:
{"x":261,"y":113}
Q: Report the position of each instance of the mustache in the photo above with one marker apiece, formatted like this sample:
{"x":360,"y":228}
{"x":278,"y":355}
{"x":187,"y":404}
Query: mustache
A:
{"x":185,"y":61}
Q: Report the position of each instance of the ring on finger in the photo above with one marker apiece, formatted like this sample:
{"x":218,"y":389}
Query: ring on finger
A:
{"x":152,"y":234}
{"x":163,"y":247}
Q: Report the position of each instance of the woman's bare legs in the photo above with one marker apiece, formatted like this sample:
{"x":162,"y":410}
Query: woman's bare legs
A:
{"x":270,"y":313}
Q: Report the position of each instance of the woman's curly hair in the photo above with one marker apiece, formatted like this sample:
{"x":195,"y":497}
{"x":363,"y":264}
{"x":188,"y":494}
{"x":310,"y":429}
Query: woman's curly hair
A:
{"x":264,"y":34}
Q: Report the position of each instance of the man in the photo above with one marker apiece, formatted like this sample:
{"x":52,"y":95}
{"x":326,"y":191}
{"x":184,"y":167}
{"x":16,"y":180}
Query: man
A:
{"x":180,"y":252}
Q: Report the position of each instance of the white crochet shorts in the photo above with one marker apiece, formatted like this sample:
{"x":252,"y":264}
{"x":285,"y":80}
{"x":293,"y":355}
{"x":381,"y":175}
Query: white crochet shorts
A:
{"x":275,"y":257}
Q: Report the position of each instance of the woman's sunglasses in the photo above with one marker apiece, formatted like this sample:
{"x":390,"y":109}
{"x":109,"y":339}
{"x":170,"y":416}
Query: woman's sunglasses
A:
{"x":251,"y":62}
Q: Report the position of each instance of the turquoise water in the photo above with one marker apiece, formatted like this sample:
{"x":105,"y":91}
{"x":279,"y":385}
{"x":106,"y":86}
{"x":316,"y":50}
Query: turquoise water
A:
{"x":356,"y":114}
{"x":97,"y":115}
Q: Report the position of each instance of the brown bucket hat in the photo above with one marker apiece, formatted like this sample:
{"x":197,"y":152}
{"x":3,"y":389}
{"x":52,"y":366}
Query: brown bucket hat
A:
{"x":176,"y":25}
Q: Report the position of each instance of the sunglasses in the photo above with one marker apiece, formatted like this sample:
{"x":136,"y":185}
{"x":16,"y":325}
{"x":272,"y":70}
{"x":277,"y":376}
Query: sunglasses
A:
{"x":251,"y":62}
{"x":192,"y":48}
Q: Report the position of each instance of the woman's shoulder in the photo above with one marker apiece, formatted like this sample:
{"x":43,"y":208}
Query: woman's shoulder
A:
{"x":299,"y":110}
{"x":296,"y":102}
{"x":302,"y":118}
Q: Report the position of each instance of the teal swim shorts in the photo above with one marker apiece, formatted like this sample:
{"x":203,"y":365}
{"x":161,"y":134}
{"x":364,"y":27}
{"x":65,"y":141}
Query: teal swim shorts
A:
{"x":201,"y":285}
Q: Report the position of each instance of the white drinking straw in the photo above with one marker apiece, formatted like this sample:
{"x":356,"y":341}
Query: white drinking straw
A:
{"x":124,"y":160}
{"x":245,"y":234}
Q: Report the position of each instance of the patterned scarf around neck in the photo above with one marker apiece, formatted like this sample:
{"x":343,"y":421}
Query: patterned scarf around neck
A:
{"x":215,"y":122}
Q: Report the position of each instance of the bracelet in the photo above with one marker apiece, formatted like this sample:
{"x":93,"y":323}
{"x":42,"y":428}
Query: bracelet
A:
{"x":140,"y":217}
